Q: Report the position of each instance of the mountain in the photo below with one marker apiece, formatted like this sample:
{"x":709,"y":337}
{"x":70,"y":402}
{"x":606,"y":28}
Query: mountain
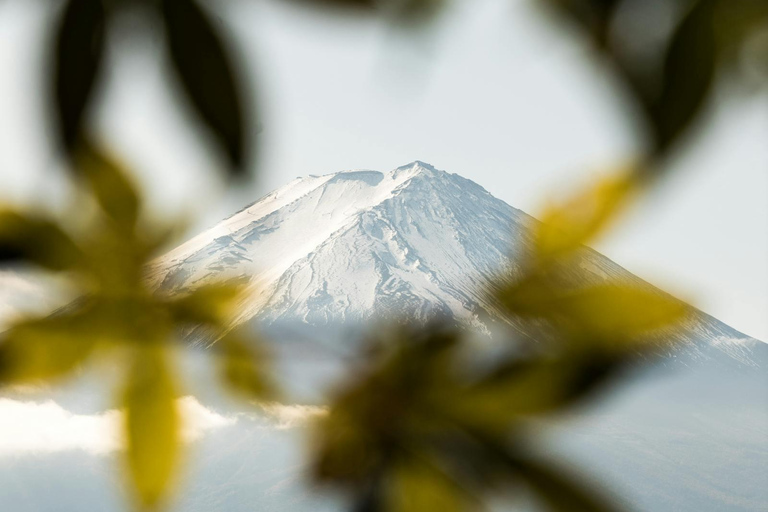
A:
{"x":355,"y":245}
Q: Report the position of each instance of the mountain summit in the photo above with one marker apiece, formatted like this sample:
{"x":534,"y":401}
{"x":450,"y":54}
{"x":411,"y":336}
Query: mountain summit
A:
{"x":356,"y":245}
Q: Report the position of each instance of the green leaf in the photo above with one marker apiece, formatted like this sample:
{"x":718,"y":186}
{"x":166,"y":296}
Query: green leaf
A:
{"x":152,"y":424}
{"x":78,"y":57}
{"x":36,"y":240}
{"x":111,"y":186}
{"x":243,"y":368}
{"x":689,"y":71}
{"x":211,"y":304}
{"x":566,"y":227}
{"x":204,"y":68}
{"x":45,"y":349}
{"x":560,"y":492}
{"x":418,"y":486}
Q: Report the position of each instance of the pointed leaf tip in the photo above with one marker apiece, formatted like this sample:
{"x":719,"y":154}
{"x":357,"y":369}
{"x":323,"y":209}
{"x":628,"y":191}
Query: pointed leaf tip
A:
{"x":204,"y":68}
{"x":77,"y":59}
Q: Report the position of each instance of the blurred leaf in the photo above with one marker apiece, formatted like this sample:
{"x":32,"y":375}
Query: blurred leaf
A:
{"x":594,"y":16}
{"x":78,"y":58}
{"x":418,"y":486}
{"x":203,"y":65}
{"x":616,"y":312}
{"x":211,"y":304}
{"x":151,"y":424}
{"x":689,"y":70}
{"x":36,"y":240}
{"x":110,"y":184}
{"x":561,"y":493}
{"x":564,"y":228}
{"x":243,"y":368}
{"x":45,"y":349}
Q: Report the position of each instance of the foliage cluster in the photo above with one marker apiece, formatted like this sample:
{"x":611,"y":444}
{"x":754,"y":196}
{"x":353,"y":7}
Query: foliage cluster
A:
{"x":419,"y":428}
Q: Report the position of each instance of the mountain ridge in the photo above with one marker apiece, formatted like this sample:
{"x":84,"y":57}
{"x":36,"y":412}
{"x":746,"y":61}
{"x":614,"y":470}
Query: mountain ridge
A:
{"x":355,"y":245}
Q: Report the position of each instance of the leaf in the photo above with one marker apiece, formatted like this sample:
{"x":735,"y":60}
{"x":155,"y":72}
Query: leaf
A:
{"x":564,"y":228}
{"x":560,"y":492}
{"x":36,"y":240}
{"x":78,"y":58}
{"x":152,"y":424}
{"x":418,"y":486}
{"x":211,"y":304}
{"x":242,"y":368}
{"x":618,"y":312}
{"x":110,"y":184}
{"x":203,"y":66}
{"x":45,"y":349}
{"x":689,"y":70}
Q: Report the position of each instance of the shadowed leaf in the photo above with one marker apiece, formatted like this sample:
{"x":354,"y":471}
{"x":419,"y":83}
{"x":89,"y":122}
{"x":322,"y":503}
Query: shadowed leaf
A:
{"x":243,"y":368}
{"x":561,"y":493}
{"x":151,"y":424}
{"x":78,"y":57}
{"x":36,"y":240}
{"x":203,"y":66}
{"x":211,"y":304}
{"x":689,"y":70}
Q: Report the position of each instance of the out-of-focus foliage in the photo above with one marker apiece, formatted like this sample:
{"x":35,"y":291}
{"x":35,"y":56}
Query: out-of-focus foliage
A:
{"x":200,"y":59}
{"x":422,"y":430}
{"x":118,"y":315}
{"x":670,"y":80}
{"x":419,"y":428}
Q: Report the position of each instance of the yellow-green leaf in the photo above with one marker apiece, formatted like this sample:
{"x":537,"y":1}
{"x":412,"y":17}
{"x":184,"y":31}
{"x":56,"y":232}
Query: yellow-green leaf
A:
{"x":566,"y":227}
{"x":418,"y":486}
{"x":242,"y":367}
{"x":44,"y":349}
{"x":110,"y":184}
{"x":616,"y":312}
{"x":151,"y":424}
{"x":211,"y":304}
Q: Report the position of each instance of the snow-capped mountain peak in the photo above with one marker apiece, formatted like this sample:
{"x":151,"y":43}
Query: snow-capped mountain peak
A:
{"x":360,"y":244}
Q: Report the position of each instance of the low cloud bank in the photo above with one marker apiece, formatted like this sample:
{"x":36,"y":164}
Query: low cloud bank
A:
{"x":28,"y":427}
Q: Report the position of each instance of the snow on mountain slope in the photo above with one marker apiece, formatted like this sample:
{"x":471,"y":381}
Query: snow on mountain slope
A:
{"x":355,"y":245}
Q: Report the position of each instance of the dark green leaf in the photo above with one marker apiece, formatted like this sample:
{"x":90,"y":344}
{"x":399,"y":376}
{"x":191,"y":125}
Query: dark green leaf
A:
{"x":689,"y":70}
{"x":78,"y":57}
{"x":37,"y":241}
{"x":560,"y":492}
{"x":204,"y":68}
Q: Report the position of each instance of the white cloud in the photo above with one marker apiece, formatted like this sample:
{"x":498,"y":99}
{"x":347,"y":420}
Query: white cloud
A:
{"x":46,"y":427}
{"x":289,"y":416}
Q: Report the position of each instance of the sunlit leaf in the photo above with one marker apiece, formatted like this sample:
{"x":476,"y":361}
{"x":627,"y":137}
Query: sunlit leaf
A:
{"x":36,"y":240}
{"x":566,"y":227}
{"x":243,"y":367}
{"x":78,"y":57}
{"x":203,"y":65}
{"x":616,"y":312}
{"x":151,"y":424}
{"x":111,"y":186}
{"x":45,"y":349}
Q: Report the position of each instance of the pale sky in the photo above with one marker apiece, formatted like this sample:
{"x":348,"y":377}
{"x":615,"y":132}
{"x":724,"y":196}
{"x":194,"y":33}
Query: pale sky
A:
{"x":495,"y":93}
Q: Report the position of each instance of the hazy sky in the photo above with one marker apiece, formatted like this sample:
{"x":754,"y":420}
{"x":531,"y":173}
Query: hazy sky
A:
{"x":495,"y":93}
